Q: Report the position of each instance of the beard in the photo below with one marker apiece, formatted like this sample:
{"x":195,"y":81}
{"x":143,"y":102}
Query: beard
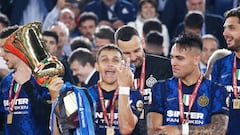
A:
{"x":235,"y":46}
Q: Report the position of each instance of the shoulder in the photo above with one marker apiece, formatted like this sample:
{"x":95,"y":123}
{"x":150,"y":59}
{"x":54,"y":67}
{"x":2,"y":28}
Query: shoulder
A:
{"x":164,"y":83}
{"x":214,"y":17}
{"x":222,"y":56}
{"x":156,"y":58}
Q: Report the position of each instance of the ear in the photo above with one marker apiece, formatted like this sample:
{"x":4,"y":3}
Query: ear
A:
{"x":197,"y":59}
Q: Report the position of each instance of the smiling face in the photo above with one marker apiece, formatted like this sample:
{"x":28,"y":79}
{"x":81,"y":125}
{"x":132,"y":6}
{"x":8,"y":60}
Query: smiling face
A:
{"x":232,"y":33}
{"x":133,"y":49}
{"x":107,"y":64}
{"x":80,"y":71}
{"x":148,"y":11}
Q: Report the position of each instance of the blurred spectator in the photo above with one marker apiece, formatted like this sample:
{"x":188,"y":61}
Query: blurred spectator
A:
{"x":51,"y":40}
{"x":114,"y":13}
{"x":64,"y":12}
{"x":103,"y":35}
{"x":154,"y":43}
{"x":219,"y":7}
{"x":80,"y":42}
{"x":147,"y":9}
{"x":24,"y":11}
{"x":173,"y":14}
{"x":63,"y":35}
{"x":212,"y":24}
{"x":210,"y":45}
{"x":82,"y":64}
{"x":193,"y":23}
{"x":156,"y":25}
{"x":87,"y":24}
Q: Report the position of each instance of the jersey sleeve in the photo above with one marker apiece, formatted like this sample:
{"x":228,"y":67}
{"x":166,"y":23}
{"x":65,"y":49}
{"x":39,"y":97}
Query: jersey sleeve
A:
{"x":136,"y":102}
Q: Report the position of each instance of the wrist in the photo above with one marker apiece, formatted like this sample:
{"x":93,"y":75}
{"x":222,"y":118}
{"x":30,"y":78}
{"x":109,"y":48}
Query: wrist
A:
{"x":124,"y":90}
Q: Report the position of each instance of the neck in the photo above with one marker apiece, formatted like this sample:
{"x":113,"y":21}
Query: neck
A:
{"x":191,"y":79}
{"x":20,"y":67}
{"x":108,"y":87}
{"x":237,"y":53}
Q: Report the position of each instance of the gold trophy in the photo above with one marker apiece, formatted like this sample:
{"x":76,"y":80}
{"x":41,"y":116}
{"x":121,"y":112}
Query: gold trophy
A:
{"x":27,"y":43}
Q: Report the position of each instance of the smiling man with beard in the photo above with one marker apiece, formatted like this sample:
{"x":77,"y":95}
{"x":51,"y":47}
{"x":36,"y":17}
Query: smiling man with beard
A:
{"x":226,"y":69}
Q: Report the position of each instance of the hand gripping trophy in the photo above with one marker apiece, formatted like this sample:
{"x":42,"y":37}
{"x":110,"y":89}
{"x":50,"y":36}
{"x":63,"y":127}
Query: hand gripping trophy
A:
{"x":27,"y":43}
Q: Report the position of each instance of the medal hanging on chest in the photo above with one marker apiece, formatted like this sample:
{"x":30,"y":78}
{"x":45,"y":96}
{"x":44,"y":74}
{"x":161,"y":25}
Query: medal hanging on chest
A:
{"x":110,"y":131}
{"x":9,"y":118}
{"x":11,"y":101}
{"x":236,"y":101}
{"x":109,"y":122}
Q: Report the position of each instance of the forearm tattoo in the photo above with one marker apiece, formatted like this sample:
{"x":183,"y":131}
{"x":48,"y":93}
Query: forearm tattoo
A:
{"x":218,"y":126}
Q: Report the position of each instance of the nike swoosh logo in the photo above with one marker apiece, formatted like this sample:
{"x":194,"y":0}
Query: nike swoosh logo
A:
{"x":170,"y":99}
{"x":223,"y":76}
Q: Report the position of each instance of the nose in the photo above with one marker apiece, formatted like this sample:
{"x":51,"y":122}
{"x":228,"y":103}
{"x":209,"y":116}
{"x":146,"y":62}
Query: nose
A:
{"x":225,"y":32}
{"x":173,"y":62}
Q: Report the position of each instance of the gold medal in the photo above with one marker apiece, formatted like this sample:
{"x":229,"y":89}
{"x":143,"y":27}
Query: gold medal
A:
{"x":9,"y":118}
{"x":110,"y":130}
{"x":236,"y":103}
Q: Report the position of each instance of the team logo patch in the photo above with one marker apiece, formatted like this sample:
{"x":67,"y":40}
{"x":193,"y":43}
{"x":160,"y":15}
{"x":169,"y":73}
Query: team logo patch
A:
{"x":150,"y":81}
{"x":203,"y":101}
{"x":139,"y":105}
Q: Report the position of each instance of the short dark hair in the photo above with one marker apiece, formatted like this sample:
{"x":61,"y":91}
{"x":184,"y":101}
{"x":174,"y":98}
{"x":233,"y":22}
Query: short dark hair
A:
{"x":87,"y":16}
{"x":83,"y":56}
{"x":80,"y":42}
{"x":8,"y":31}
{"x":194,"y":19}
{"x":51,"y":34}
{"x":142,"y":2}
{"x":235,"y":12}
{"x":152,"y":25}
{"x":189,"y":40}
{"x":108,"y":47}
{"x":125,"y":33}
{"x":154,"y":38}
{"x":104,"y":32}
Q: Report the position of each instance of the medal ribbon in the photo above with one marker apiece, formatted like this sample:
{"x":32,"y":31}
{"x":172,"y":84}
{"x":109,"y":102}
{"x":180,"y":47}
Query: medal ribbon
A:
{"x":142,"y":78}
{"x":192,"y":98}
{"x":234,"y":79}
{"x":10,"y":100}
{"x":104,"y":110}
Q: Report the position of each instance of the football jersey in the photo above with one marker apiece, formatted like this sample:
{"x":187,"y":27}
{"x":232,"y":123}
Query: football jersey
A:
{"x":26,"y":119}
{"x":222,"y":73}
{"x":157,"y":68}
{"x":136,"y":104}
{"x":210,"y":99}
